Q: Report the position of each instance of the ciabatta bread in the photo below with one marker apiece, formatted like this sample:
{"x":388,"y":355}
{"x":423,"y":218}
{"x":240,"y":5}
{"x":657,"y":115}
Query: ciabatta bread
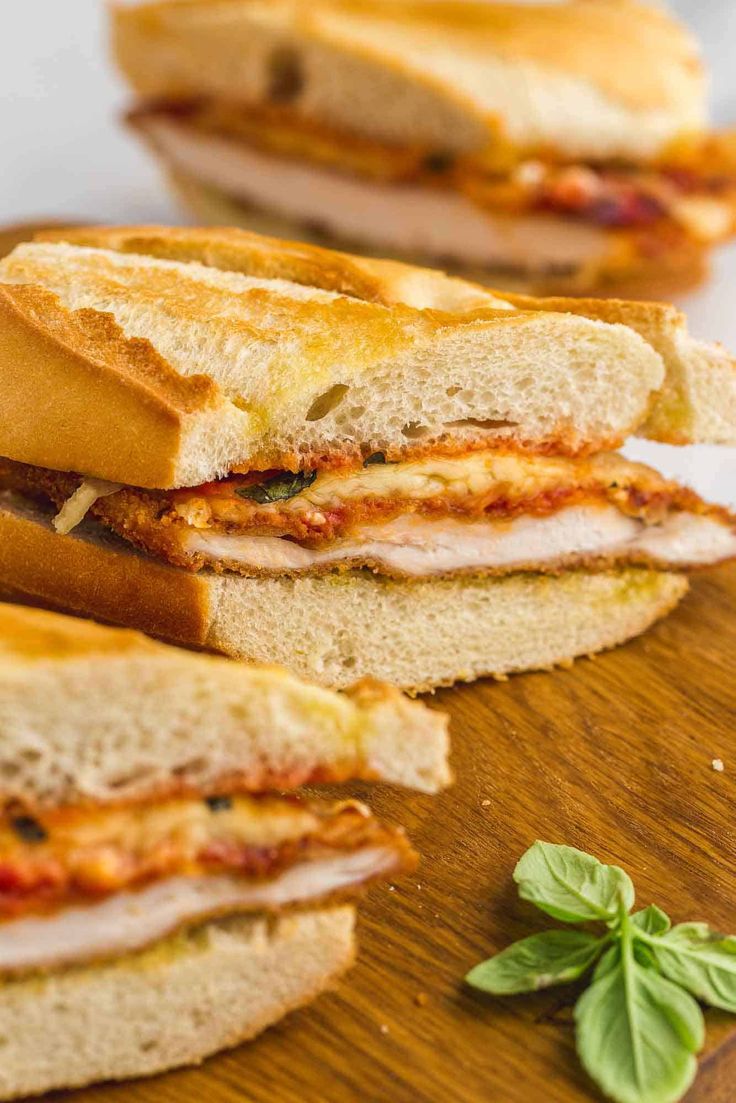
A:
{"x":335,"y":629}
{"x":448,"y":75}
{"x":204,"y":990}
{"x":162,"y":372}
{"x":69,"y":730}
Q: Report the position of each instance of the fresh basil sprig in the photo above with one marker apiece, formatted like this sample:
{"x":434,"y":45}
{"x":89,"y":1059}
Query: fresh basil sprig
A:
{"x":278,"y":488}
{"x":638,"y":1024}
{"x":572,"y":886}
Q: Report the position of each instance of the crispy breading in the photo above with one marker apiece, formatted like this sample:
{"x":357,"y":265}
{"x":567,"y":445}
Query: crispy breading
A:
{"x":77,"y":855}
{"x":333,"y":507}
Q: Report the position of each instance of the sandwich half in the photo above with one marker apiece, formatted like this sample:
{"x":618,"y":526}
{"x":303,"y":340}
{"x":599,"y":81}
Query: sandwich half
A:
{"x":166,"y":890}
{"x":352,"y":467}
{"x":565,"y":147}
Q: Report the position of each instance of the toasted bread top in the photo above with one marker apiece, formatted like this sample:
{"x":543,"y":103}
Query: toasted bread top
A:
{"x":163,"y":358}
{"x":119,"y":362}
{"x":604,"y":79}
{"x":696,"y":405}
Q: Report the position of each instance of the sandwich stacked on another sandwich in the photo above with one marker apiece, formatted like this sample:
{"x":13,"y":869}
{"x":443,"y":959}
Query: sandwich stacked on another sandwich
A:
{"x":351,"y":467}
{"x":562,"y":145}
{"x":158,"y":900}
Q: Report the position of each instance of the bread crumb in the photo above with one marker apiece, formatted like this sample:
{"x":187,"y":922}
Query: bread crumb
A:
{"x":392,"y":888}
{"x":717,"y":765}
{"x":485,"y":804}
{"x":384,"y":1028}
{"x":421,"y":999}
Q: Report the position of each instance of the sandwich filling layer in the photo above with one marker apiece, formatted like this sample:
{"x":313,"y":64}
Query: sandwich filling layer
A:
{"x":128,"y":921}
{"x":402,"y":217}
{"x":412,"y":547}
{"x":484,"y":512}
{"x":253,"y":852}
{"x":500,"y":211}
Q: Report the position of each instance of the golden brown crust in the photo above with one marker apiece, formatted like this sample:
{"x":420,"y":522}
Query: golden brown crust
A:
{"x":574,"y":37}
{"x":379,"y":281}
{"x":233,"y":250}
{"x":192,"y":432}
{"x":102,"y":580}
{"x":37,"y":635}
{"x":63,"y":371}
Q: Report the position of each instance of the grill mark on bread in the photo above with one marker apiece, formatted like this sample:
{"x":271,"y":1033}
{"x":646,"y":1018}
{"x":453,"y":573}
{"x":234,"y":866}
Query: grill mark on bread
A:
{"x":379,"y":281}
{"x":96,"y":336}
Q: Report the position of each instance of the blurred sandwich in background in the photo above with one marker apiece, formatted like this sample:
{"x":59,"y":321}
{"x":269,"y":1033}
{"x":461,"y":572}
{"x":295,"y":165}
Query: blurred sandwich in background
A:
{"x":556,"y":148}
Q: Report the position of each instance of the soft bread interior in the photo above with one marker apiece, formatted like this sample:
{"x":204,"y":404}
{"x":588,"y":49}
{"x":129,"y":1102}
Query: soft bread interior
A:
{"x":336,"y":628}
{"x":314,"y":373}
{"x":202,"y":991}
{"x":419,"y":635}
{"x":434,"y":74}
{"x":698,"y":400}
{"x":71,"y":731}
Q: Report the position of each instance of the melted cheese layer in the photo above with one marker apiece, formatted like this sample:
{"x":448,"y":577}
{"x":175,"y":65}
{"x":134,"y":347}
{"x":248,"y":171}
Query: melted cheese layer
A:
{"x":406,"y":218}
{"x":417,"y":547}
{"x":129,"y":921}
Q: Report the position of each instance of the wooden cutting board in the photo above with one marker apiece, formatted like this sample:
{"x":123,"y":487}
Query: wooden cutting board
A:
{"x":614,"y":756}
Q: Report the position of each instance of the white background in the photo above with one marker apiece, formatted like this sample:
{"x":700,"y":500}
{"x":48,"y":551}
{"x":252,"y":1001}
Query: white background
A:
{"x":65,"y":155}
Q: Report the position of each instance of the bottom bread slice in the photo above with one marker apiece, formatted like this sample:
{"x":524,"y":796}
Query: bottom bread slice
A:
{"x":172,"y":1005}
{"x":335,"y":629}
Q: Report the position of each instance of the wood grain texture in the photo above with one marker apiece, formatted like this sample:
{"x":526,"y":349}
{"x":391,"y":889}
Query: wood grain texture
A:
{"x":614,"y":756}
